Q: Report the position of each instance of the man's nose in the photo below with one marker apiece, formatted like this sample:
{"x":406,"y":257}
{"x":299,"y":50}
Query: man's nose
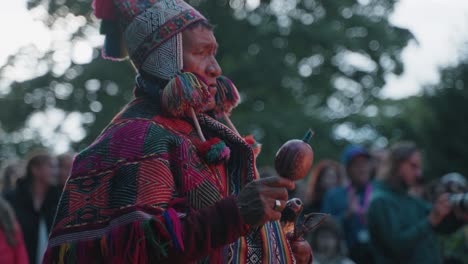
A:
{"x":213,"y":69}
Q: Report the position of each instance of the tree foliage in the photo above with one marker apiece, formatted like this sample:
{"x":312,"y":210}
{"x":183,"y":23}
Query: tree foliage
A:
{"x":435,"y":121}
{"x":444,"y":132}
{"x":297,"y":64}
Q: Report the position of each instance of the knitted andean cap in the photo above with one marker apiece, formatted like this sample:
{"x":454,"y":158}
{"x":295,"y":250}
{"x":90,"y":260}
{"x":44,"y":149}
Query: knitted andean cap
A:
{"x":151,"y":31}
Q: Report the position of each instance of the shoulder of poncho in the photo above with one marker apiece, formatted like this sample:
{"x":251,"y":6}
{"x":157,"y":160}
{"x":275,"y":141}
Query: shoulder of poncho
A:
{"x":127,"y":140}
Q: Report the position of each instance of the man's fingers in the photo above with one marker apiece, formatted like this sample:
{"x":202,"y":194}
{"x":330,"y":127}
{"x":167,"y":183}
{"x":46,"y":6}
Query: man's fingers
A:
{"x":444,"y":198}
{"x":274,"y":193}
{"x":278,"y":182}
{"x":276,"y":204}
{"x":444,"y":203}
{"x":274,"y":215}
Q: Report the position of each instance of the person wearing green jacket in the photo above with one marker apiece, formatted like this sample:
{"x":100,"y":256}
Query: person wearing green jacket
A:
{"x":403,"y":228}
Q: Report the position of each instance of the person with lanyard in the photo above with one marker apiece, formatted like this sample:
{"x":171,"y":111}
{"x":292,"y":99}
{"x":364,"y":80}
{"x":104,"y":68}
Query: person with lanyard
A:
{"x":166,"y":181}
{"x":349,"y":203}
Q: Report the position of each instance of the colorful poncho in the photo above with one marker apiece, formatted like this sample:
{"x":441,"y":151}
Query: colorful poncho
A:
{"x":141,"y":194}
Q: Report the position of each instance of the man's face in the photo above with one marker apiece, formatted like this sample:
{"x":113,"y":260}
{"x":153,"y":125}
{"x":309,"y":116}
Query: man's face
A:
{"x":410,"y":169}
{"x":359,"y":170}
{"x":200,"y":47}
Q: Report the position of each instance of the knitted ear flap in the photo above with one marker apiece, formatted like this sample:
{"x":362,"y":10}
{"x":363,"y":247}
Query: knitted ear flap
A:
{"x":105,"y":9}
{"x":227,"y":97}
{"x":114,"y":48}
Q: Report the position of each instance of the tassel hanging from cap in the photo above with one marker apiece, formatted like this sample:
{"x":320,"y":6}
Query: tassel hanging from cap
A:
{"x":214,"y":150}
{"x":256,"y":147}
{"x":105,"y":9}
{"x":227,"y":97}
{"x":114,"y":48}
{"x":186,"y":95}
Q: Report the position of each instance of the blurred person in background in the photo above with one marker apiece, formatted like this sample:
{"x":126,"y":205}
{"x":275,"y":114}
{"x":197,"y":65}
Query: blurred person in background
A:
{"x":325,"y":175}
{"x":10,"y":173}
{"x":65,"y":162}
{"x":402,"y":227}
{"x":34,"y":201}
{"x":432,"y":190}
{"x":349,"y":203}
{"x":418,"y":189}
{"x":455,"y":245}
{"x":328,"y":243}
{"x":12,"y":248}
{"x":378,"y":156}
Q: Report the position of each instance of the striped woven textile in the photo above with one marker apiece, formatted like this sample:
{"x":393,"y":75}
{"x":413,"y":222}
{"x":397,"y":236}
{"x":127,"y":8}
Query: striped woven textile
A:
{"x":133,"y":188}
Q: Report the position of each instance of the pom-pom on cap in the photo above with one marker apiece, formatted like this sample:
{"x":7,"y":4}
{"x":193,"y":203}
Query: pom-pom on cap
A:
{"x":183,"y":92}
{"x":227,"y":96}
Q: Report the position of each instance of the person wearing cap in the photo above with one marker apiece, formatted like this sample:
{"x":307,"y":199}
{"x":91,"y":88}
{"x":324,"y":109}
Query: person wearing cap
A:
{"x":349,"y":203}
{"x":403,"y":227}
{"x":166,"y":182}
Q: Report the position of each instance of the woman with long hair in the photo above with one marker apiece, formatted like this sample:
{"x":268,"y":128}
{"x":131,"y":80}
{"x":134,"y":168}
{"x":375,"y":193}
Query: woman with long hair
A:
{"x":325,"y":175}
{"x":12,"y":248}
{"x":35,"y":200}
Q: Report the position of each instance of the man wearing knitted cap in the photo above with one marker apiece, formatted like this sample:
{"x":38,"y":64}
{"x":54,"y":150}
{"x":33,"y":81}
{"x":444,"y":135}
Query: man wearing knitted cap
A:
{"x":349,"y":203}
{"x":166,"y":182}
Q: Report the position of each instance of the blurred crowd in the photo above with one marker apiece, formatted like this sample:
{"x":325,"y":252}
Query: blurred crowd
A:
{"x":381,"y":209}
{"x":31,"y":189}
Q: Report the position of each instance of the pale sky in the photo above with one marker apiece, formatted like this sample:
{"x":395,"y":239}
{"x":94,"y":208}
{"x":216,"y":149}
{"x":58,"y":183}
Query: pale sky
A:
{"x":440,"y":26}
{"x":441,"y":29}
{"x":18,"y":28}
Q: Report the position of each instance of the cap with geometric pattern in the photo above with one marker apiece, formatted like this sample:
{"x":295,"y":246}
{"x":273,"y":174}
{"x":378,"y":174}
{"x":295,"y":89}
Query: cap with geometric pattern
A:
{"x":149,"y":31}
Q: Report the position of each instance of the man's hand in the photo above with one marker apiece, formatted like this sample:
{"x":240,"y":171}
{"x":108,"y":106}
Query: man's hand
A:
{"x":440,"y":209}
{"x":258,"y":198}
{"x":301,"y":250}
